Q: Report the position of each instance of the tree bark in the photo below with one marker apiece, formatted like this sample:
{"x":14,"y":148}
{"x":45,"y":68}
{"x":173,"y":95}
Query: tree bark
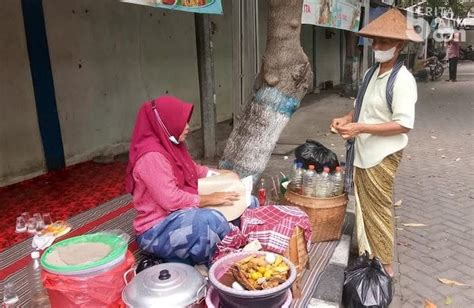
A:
{"x":282,"y":82}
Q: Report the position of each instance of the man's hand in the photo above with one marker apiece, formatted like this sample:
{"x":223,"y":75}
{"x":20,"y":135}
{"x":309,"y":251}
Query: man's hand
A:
{"x":218,"y":198}
{"x":338,"y":122}
{"x":350,"y":130}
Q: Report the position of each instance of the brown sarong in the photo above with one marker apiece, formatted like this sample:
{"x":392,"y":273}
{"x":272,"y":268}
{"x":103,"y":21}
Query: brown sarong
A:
{"x":374,"y":207}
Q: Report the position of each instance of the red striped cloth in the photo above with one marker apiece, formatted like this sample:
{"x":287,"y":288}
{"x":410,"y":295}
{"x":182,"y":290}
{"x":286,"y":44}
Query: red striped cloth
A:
{"x":273,"y":226}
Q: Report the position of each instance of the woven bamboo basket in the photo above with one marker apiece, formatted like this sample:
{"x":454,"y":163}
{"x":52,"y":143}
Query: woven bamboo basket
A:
{"x":298,"y":254}
{"x":326,"y":214}
{"x":296,"y":251}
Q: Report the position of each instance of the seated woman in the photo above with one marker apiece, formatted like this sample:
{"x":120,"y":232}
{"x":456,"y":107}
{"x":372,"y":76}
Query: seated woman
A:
{"x":172,"y":222}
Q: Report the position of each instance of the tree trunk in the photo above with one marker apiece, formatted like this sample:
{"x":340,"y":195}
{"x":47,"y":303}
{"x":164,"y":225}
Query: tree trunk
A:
{"x":282,"y":82}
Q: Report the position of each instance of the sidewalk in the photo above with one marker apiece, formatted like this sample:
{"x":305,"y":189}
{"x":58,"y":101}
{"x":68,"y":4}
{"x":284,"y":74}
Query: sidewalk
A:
{"x":434,"y":183}
{"x":311,"y":121}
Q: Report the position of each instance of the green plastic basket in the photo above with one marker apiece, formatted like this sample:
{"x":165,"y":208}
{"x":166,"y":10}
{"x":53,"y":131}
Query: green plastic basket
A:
{"x":118,"y":249}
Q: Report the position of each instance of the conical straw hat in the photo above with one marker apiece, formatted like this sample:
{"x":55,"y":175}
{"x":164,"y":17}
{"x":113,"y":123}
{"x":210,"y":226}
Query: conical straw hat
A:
{"x":392,"y":24}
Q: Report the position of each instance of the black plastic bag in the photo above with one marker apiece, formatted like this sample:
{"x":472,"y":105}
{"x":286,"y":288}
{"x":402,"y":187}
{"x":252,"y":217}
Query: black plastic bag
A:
{"x":147,"y":260}
{"x":366,"y":284}
{"x":314,"y":153}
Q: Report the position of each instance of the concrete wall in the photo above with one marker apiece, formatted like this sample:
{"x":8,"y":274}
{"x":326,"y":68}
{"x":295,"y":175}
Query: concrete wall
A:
{"x":21,"y":151}
{"x":107,"y":58}
{"x":223,"y":61}
{"x":469,"y":38}
{"x":328,"y":56}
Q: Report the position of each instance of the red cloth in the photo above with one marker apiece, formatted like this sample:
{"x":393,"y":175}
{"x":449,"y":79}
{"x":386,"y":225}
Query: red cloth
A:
{"x":233,"y":241}
{"x":273,"y":226}
{"x":149,"y":136}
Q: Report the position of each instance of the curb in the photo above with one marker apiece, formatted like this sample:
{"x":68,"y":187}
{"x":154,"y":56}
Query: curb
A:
{"x":328,"y":294}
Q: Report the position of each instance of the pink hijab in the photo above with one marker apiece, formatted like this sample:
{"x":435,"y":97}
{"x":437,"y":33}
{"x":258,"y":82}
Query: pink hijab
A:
{"x":149,"y":136}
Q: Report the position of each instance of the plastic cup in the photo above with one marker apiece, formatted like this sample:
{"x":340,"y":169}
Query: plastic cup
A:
{"x":47,"y":219}
{"x":20,"y":224}
{"x":31,"y":226}
{"x":25,"y":216}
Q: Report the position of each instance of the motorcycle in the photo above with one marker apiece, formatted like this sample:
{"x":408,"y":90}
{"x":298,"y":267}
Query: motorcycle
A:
{"x":466,"y":53}
{"x":435,"y":70}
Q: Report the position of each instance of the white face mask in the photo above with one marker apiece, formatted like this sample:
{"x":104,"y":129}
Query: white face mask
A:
{"x":382,"y":56}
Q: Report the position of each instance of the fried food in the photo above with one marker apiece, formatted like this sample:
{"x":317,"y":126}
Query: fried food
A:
{"x":255,"y":273}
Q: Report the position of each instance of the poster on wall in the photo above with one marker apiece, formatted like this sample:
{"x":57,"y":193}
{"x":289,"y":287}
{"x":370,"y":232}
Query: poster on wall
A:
{"x":340,"y":14}
{"x":193,"y":6}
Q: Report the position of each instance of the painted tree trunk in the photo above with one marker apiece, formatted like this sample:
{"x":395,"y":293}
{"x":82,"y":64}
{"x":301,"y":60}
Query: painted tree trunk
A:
{"x":282,"y":82}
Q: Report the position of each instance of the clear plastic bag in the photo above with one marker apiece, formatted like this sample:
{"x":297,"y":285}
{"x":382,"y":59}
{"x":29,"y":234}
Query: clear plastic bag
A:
{"x":366,"y":284}
{"x":117,"y":240}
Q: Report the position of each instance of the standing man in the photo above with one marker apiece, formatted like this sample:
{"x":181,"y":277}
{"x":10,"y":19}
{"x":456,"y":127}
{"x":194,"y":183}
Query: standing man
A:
{"x":376,"y":133}
{"x":453,"y":56}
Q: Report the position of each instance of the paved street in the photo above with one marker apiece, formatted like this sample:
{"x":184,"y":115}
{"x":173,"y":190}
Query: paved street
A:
{"x":435,"y":184}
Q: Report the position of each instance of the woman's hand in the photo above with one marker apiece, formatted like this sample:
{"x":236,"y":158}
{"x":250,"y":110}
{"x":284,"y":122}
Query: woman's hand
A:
{"x":225,"y":171}
{"x":218,"y":198}
{"x":350,"y":130}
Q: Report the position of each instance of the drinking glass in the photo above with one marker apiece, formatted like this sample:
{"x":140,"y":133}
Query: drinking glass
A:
{"x":20,"y":225}
{"x":47,"y":219}
{"x":9,"y":294}
{"x":26,"y":216}
{"x":39,"y":224}
{"x":31,"y":227}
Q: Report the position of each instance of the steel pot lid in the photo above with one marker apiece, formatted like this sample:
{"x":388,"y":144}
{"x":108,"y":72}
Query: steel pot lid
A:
{"x":165,"y":285}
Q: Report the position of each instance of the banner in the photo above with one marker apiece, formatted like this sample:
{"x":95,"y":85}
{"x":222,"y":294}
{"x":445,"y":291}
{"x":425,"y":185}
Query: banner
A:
{"x":340,"y":14}
{"x":193,"y":6}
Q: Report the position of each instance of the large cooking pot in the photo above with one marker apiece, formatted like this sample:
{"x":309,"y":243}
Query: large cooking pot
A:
{"x":166,"y":285}
{"x":233,"y":298}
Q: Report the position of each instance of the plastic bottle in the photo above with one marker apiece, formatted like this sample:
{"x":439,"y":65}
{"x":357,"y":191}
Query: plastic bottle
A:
{"x":323,"y":184}
{"x":294,"y":167}
{"x":308,"y":181}
{"x":262,"y":193}
{"x":10,"y":298}
{"x":337,"y":182}
{"x":297,"y":179}
{"x":317,"y":180}
{"x":39,"y":297}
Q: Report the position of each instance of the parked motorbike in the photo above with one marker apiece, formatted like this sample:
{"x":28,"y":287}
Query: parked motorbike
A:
{"x":436,"y":67}
{"x":441,"y":55}
{"x":432,"y":67}
{"x":466,"y":53}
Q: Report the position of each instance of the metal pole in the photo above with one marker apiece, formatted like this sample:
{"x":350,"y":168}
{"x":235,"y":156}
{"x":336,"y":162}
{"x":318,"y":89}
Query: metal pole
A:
{"x":342,"y":56}
{"x":206,"y":83}
{"x":365,"y":59}
{"x":315,"y":60}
